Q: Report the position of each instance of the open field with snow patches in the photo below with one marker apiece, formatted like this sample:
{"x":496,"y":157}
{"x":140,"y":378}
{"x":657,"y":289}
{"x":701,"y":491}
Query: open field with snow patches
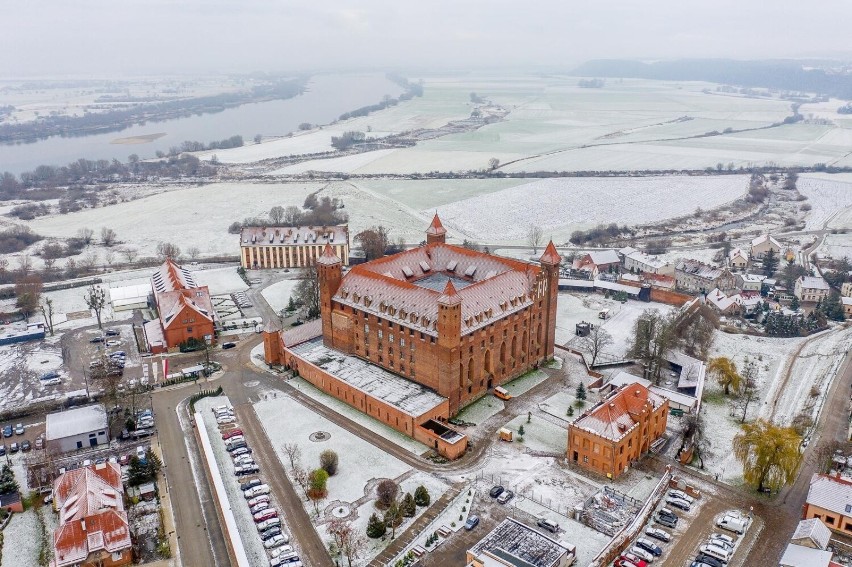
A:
{"x":830,"y":199}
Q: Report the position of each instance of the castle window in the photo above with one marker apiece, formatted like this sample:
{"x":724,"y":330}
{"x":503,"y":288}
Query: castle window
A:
{"x":380,"y":334}
{"x":390,"y":337}
{"x":402,"y":341}
{"x":366,"y":328}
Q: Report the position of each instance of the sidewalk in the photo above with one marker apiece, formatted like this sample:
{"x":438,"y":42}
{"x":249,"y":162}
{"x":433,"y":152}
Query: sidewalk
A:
{"x":414,"y":531}
{"x":168,"y":515}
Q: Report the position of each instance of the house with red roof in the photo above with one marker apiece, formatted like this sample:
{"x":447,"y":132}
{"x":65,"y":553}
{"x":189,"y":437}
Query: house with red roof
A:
{"x":618,"y":430}
{"x":185,"y":310}
{"x":454,"y":321}
{"x":93,"y":527}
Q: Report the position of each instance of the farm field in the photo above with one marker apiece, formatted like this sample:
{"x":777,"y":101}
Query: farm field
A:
{"x":830,"y":198}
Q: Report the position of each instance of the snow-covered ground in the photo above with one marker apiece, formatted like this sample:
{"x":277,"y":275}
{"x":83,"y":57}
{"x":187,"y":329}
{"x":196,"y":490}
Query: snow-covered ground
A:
{"x":482,"y":409}
{"x":343,"y":164}
{"x":21,"y":540}
{"x":221,"y":281}
{"x":539,"y":434}
{"x":555,"y":204}
{"x":278,"y":294}
{"x":827,"y":197}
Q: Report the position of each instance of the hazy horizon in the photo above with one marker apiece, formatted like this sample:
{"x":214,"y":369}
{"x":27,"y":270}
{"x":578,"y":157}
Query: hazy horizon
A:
{"x":133,"y":37}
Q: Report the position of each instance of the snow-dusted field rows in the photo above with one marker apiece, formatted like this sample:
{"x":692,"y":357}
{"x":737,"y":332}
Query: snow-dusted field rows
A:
{"x":555,"y":203}
{"x":837,"y":245}
{"x":221,"y":281}
{"x":344,"y":164}
{"x":827,"y":197}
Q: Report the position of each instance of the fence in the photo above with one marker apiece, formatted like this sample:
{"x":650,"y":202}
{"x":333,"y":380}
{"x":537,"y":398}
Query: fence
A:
{"x":622,"y":539}
{"x":550,"y":504}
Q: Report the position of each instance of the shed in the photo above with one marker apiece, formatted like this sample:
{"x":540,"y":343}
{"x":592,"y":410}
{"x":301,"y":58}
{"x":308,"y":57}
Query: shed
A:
{"x":77,"y":428}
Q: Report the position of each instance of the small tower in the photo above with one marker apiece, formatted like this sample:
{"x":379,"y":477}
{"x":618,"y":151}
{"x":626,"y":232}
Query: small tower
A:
{"x":449,"y":344}
{"x":436,"y":233}
{"x":330,"y":274}
{"x":550,"y":261}
{"x":273,"y":352}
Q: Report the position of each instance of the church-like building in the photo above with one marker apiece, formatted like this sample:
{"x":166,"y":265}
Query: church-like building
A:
{"x":438,"y":319}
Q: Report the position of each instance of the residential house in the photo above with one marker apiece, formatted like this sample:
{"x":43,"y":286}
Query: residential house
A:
{"x":763,"y":244}
{"x":637,"y":261}
{"x":750,"y":282}
{"x":846,"y":289}
{"x":598,"y":262}
{"x":811,"y":289}
{"x":618,"y":430}
{"x":738,"y":259}
{"x":93,"y":527}
{"x":698,"y":277}
{"x":830,"y":500}
{"x":743,"y":304}
{"x":847,"y":306}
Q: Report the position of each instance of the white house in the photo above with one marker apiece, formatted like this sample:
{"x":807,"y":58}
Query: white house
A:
{"x":77,"y":428}
{"x":809,"y":288}
{"x":640,"y":262}
{"x":763,"y":244}
{"x":750,"y":282}
{"x":737,"y":259}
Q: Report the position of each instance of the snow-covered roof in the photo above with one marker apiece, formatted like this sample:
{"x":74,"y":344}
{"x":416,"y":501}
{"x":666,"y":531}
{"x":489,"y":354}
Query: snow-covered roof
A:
{"x":293,"y":235}
{"x":831,"y":493}
{"x":626,"y":251}
{"x":738,"y":252}
{"x":135,"y":293}
{"x":643,"y":258}
{"x":169,"y":277}
{"x":814,"y":530}
{"x":74,"y":541}
{"x":407,"y":396}
{"x":75,"y":421}
{"x":811,"y":282}
{"x":622,"y":378}
{"x":719,"y":300}
{"x":752,"y":278}
{"x":801,"y":556}
{"x":521,"y":545}
{"x":603,"y":257}
{"x":84,"y":491}
{"x":613,"y":418}
{"x":699,"y":269}
{"x":171,"y":303}
{"x":297,"y":335}
{"x":846,"y":300}
{"x":405,"y":287}
{"x":678,"y":398}
{"x":764,"y":238}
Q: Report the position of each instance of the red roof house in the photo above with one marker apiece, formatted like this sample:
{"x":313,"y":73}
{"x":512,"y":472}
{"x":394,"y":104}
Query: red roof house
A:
{"x":185,"y":309}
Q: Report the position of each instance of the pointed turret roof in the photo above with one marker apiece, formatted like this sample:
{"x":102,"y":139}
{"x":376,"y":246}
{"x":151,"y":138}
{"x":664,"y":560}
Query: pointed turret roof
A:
{"x":550,"y":256}
{"x":329,"y":258}
{"x":450,"y":296}
{"x":436,"y":227}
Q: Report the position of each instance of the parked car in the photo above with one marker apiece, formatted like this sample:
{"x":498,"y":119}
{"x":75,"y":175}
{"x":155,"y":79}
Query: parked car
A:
{"x":13,"y":448}
{"x":50,"y":375}
{"x":289,"y":558}
{"x":704,"y":559}
{"x":665,"y":520}
{"x":723,"y":537}
{"x":472,"y":522}
{"x":51,"y":382}
{"x":659,"y":534}
{"x":97,"y":339}
{"x":256,"y":491}
{"x":638,"y":561}
{"x":266,"y":515}
{"x":225,"y":420}
{"x":273,"y":531}
{"x":678,"y":503}
{"x":112,"y":332}
{"x":645,"y":556}
{"x":266,"y":524}
{"x":548,"y":525}
{"x":682,"y":495}
{"x":720,"y":553}
{"x":235,"y":446}
{"x":243,"y":470}
{"x":495,"y":491}
{"x":505,"y":496}
{"x":7,"y":431}
{"x":649,"y":546}
{"x":699,"y":564}
{"x":624,"y":563}
{"x":283,"y":550}
{"x":243,"y":459}
{"x":241,"y":451}
{"x":234,"y":439}
{"x":19,"y":429}
{"x":732,"y":524}
{"x":274,"y":541}
{"x":721,"y":543}
{"x":26,"y":446}
{"x":113,"y":343}
{"x":259,"y":507}
{"x":2,"y":449}
{"x":669,"y":513}
{"x":257,"y":500}
{"x":228,"y":345}
{"x":250,"y":484}
{"x":231,"y":433}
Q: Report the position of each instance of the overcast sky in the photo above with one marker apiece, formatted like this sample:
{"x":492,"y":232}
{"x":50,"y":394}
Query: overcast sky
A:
{"x":51,"y":37}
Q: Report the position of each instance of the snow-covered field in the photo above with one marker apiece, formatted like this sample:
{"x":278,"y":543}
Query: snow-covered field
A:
{"x":344,"y":164}
{"x":221,"y":281}
{"x":21,"y":541}
{"x":540,"y":435}
{"x":837,"y":245}
{"x":562,"y":203}
{"x":828,"y":197}
{"x":278,"y":294}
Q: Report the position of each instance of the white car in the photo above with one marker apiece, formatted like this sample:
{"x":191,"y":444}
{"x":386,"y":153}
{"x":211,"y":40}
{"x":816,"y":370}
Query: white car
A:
{"x":640,"y":553}
{"x":227,"y":419}
{"x":51,"y":382}
{"x":274,"y":541}
{"x":682,"y":495}
{"x":259,"y":508}
{"x":256,"y":491}
{"x":243,"y":459}
{"x":283,"y":553}
{"x":659,"y":534}
{"x":266,"y":524}
{"x":721,"y":543}
{"x":723,"y":537}
{"x":258,"y":499}
{"x":678,"y":503}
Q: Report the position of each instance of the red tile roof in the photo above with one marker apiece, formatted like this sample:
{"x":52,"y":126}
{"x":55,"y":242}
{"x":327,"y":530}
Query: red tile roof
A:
{"x":550,"y":256}
{"x":614,"y":417}
{"x":82,"y":491}
{"x":328,"y":257}
{"x":450,"y":295}
{"x":170,"y":277}
{"x":436,"y":228}
{"x":74,"y":541}
{"x":171,"y":303}
{"x":387,"y":287}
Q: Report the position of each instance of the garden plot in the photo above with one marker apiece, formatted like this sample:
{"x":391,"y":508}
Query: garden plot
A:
{"x":21,"y":541}
{"x":278,"y":294}
{"x":562,"y":204}
{"x":621,"y":323}
{"x":242,"y":515}
{"x":221,"y":281}
{"x":828,"y":198}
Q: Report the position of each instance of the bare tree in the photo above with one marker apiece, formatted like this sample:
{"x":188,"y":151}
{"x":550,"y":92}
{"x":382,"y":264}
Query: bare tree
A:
{"x":346,"y":538}
{"x":85,"y":234}
{"x":167,"y":250}
{"x":109,"y":257}
{"x":374,"y":241}
{"x":130,"y":254}
{"x":596,"y":342}
{"x":748,"y":392}
{"x":534,"y":237}
{"x":89,"y":261}
{"x":108,"y":236}
{"x":293,"y":453}
{"x":47,"y":313}
{"x":276,"y":215}
{"x":96,"y":300}
{"x":307,"y":291}
{"x":292,"y":216}
{"x":28,"y":294}
{"x":300,"y":477}
{"x":386,"y":491}
{"x":653,"y":335}
{"x":193,"y":252}
{"x":493,"y":163}
{"x":25,"y":264}
{"x":693,"y":431}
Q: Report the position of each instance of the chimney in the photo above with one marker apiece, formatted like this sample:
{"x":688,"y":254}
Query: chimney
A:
{"x":638,"y":393}
{"x":83,"y":525}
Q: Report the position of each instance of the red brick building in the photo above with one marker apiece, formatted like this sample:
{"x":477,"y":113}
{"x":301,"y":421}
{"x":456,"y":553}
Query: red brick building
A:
{"x":618,"y":430}
{"x":455,"y":321}
{"x":185,"y":309}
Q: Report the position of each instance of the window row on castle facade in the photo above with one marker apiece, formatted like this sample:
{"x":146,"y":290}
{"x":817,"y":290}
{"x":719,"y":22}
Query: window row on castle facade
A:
{"x":286,"y":256}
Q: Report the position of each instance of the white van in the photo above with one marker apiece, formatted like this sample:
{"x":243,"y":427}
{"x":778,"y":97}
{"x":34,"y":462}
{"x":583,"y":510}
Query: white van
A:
{"x":732,"y":524}
{"x":715,"y":551}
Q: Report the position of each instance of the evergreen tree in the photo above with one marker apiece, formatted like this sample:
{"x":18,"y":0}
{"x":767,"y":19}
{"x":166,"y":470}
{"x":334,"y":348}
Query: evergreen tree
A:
{"x":581,"y":392}
{"x":7,"y":481}
{"x":521,"y":430}
{"x":794,"y":303}
{"x":409,"y":508}
{"x":770,"y":263}
{"x":376,"y":528}
{"x":421,"y":496}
